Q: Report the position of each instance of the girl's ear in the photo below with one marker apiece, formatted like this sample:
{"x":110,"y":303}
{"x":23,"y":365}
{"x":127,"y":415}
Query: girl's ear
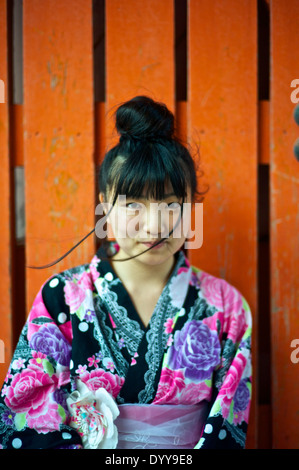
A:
{"x":102,"y":200}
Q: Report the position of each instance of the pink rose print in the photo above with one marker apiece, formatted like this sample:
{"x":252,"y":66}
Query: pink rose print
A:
{"x":220,"y":293}
{"x":195,"y":393}
{"x":85,"y":281}
{"x":235,"y":325}
{"x":231,"y":382}
{"x":47,"y":421}
{"x":170,"y":385}
{"x":74,"y":295}
{"x":29,"y":391}
{"x":99,"y":378}
{"x":214,"y":321}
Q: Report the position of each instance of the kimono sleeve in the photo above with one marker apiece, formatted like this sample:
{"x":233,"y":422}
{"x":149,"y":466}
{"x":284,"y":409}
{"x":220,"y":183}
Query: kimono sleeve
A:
{"x":226,"y":425}
{"x":33,"y":410}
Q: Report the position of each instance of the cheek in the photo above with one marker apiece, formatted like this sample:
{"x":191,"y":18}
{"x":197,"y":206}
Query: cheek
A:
{"x":118,"y":222}
{"x":124,"y":225}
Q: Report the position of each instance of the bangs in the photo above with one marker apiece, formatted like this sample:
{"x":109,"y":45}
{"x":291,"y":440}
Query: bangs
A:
{"x":147,"y":172}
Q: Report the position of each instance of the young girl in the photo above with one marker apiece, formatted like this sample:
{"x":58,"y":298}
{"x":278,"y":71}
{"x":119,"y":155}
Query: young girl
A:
{"x":136,"y":349}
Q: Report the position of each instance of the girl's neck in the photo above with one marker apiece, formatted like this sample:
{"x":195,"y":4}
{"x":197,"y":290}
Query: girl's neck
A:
{"x":134,"y":273}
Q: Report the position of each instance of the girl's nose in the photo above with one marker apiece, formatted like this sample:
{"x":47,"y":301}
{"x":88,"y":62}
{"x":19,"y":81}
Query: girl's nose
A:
{"x":155,"y":220}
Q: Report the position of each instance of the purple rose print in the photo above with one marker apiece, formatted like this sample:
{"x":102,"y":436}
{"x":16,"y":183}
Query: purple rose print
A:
{"x":196,"y":349}
{"x":242,"y":396}
{"x":49,"y":340}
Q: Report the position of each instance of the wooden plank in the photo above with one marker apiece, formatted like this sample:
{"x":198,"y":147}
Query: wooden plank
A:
{"x":222,"y":119}
{"x":58,"y":135}
{"x":284,"y":228}
{"x":139,"y":53}
{"x":6,"y":236}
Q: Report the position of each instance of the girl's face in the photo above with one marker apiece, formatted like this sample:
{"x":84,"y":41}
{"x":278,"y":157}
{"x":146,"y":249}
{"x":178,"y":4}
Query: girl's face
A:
{"x":138,"y":223}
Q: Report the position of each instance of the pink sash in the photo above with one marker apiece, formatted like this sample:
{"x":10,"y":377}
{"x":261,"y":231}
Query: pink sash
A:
{"x":160,"y":426}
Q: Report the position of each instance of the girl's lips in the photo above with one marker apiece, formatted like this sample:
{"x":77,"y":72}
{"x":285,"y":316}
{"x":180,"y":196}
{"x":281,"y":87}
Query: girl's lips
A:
{"x":152,"y":243}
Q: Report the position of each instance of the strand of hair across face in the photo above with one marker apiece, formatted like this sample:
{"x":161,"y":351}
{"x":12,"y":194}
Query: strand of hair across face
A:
{"x":92,"y":231}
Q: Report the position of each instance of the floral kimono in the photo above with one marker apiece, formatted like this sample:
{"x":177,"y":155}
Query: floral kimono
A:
{"x":83,"y":328}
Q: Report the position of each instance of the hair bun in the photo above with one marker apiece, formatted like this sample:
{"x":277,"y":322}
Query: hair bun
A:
{"x":142,"y":118}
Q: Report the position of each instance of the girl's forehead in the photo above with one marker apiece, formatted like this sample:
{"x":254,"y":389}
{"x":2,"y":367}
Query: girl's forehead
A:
{"x":168,"y":191}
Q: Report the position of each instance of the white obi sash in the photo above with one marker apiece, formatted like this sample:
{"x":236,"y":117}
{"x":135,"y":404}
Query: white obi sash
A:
{"x":160,"y":426}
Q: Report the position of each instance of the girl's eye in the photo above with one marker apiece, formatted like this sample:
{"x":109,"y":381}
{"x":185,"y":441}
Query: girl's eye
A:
{"x":174,"y":205}
{"x":133,"y":206}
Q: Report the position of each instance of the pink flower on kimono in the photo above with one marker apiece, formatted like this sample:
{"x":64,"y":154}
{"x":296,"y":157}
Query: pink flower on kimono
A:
{"x":49,"y":420}
{"x":74,"y":295}
{"x":4,"y":390}
{"x":220,"y":293}
{"x":8,"y":375}
{"x":93,"y":268}
{"x":170,"y":385}
{"x":99,"y":378}
{"x":109,"y":364}
{"x":168,"y":325}
{"x":37,"y":359}
{"x":183,"y":269}
{"x":231,"y":383}
{"x":18,"y":363}
{"x":92,"y":361}
{"x":81,"y":369}
{"x":29,"y":391}
{"x":194,"y":393}
{"x":235,"y":325}
{"x":85,"y":281}
{"x":214,"y":322}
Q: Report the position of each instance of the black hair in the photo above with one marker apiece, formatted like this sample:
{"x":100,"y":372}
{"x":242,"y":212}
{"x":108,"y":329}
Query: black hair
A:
{"x":147,"y":155}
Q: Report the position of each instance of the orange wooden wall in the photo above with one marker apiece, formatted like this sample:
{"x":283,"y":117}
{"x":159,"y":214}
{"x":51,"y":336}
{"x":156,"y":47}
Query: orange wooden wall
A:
{"x":224,"y":67}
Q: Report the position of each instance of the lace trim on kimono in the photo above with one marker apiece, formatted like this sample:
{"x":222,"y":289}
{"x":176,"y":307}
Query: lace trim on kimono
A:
{"x":23,"y":351}
{"x":104,"y":335}
{"x":156,"y":340}
{"x":130,"y":329}
{"x":156,"y":335}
